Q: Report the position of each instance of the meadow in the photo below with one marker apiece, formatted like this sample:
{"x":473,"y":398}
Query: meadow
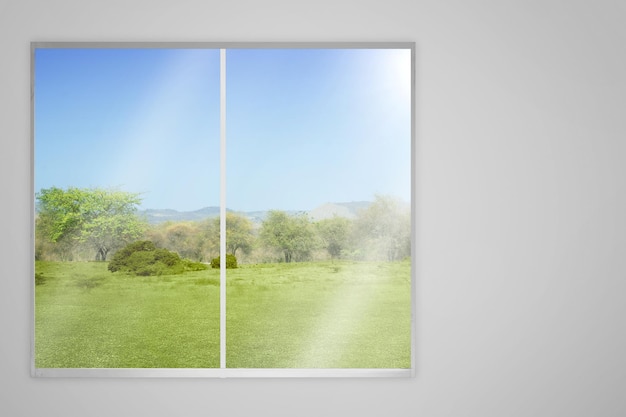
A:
{"x":335,"y":314}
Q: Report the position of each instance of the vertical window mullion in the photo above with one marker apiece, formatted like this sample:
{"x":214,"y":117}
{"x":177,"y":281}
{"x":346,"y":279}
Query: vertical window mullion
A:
{"x":222,"y":208}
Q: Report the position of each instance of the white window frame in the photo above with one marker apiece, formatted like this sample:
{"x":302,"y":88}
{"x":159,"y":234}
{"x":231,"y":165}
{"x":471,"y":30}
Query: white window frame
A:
{"x":223,"y":371}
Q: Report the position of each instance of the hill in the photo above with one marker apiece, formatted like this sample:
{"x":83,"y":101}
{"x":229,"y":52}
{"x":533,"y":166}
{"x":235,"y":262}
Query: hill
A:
{"x":155,"y":216}
{"x":330,"y":210}
{"x":325,"y":211}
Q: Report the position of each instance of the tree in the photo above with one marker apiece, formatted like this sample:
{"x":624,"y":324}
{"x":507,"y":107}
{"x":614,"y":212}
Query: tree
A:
{"x":208,"y":238}
{"x":239,"y":233}
{"x":185,"y":239}
{"x":99,"y":218}
{"x":45,"y":248}
{"x":383,"y":229}
{"x":292,"y":235}
{"x":334,"y":233}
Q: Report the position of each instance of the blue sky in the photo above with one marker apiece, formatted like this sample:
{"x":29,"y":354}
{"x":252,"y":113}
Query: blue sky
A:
{"x":304,"y":127}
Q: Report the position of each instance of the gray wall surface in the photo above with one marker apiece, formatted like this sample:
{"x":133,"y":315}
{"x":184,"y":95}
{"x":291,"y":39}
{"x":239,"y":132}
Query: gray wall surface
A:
{"x":520,"y":185}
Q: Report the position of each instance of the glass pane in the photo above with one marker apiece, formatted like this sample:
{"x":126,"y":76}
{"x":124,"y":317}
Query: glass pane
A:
{"x":126,"y":166}
{"x":319,"y":193}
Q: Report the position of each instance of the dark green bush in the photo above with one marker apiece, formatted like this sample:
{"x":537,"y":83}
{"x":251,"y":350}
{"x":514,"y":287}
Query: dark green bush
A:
{"x":143,"y":258}
{"x":39,"y":278}
{"x":120,"y":259}
{"x":166,"y":257}
{"x":231,"y":262}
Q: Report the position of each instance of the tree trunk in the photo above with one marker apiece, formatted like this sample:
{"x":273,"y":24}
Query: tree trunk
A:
{"x":101,"y":255}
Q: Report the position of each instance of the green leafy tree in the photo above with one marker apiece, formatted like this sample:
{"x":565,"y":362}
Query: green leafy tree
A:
{"x":101,"y":219}
{"x":334,"y":233}
{"x":46,"y":249}
{"x":292,"y":235}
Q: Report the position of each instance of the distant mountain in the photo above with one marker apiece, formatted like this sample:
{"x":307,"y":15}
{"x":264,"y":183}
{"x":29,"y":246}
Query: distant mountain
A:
{"x":330,"y":210}
{"x":325,"y":211}
{"x":155,"y":216}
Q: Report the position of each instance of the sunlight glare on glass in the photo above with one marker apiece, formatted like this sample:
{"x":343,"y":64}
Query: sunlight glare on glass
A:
{"x":345,"y":315}
{"x":396,"y":73}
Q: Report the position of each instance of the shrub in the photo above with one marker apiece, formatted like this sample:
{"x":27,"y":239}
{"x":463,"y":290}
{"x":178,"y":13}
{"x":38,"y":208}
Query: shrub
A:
{"x":231,"y":262}
{"x":120,"y":259}
{"x":194,"y":266}
{"x":166,"y":257}
{"x":39,"y":278}
{"x":143,"y":258}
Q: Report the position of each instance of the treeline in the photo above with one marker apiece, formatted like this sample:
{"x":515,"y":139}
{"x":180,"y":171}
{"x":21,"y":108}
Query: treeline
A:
{"x":87,"y":224}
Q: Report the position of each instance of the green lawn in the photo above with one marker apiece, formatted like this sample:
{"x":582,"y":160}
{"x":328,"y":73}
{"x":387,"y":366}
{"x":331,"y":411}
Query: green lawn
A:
{"x":319,"y":315}
{"x":88,"y":317}
{"x":300,"y":315}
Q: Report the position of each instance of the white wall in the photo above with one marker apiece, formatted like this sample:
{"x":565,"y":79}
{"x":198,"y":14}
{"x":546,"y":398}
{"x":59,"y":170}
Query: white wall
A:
{"x":521,"y":220}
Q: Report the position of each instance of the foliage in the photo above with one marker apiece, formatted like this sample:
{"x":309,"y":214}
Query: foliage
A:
{"x":195,"y":240}
{"x":120,"y":257}
{"x":40,"y":279}
{"x":185,"y":239}
{"x":102,"y":219}
{"x":238,"y":233}
{"x":194,"y":266}
{"x":145,"y":259}
{"x":383,"y":230}
{"x":231,"y":262}
{"x":210,"y":233}
{"x":290,"y":234}
{"x":334,"y":233}
{"x":63,"y":249}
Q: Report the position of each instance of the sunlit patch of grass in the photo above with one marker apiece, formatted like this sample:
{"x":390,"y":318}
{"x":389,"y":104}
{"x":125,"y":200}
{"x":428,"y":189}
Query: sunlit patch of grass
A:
{"x":320,"y":315}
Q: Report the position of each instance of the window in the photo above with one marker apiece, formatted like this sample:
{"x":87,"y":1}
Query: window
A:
{"x":223,"y":210}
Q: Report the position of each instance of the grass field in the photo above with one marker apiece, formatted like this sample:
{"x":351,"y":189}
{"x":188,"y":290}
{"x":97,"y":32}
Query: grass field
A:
{"x":300,"y":315}
{"x":87,"y":317}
